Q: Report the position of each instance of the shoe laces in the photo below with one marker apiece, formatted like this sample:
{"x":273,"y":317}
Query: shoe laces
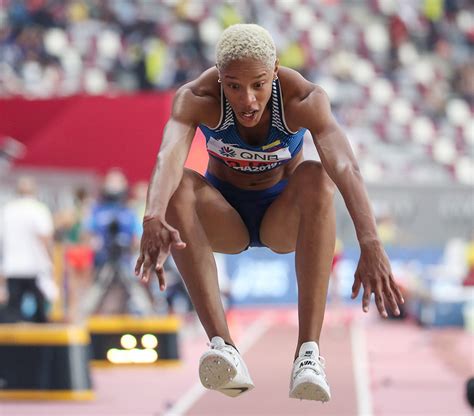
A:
{"x":216,"y":346}
{"x":224,"y":347}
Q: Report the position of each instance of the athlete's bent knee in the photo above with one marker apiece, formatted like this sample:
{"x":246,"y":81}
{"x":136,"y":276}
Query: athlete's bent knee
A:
{"x":185,"y":193}
{"x":312,"y":177}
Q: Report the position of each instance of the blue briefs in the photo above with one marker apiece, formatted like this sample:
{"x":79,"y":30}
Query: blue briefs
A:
{"x":251,"y":205}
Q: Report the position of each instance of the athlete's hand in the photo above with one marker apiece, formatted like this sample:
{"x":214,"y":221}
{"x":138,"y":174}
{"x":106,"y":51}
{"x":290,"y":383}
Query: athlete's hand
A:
{"x":157,"y":239}
{"x":375,"y":275}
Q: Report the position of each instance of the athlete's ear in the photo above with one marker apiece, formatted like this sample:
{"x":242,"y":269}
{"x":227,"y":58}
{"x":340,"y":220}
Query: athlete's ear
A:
{"x":218,"y":75}
{"x":275,"y":70}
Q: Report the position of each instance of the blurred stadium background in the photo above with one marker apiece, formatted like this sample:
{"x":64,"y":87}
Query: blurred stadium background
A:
{"x":85,"y":91}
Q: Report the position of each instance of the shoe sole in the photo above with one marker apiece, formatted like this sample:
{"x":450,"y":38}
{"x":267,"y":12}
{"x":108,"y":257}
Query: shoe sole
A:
{"x":215,"y":371}
{"x":310,"y":391}
{"x":236,"y":391}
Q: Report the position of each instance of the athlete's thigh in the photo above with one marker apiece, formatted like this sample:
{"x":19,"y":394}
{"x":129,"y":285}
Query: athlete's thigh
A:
{"x":222,"y":224}
{"x":279,"y":228}
{"x":309,"y":187}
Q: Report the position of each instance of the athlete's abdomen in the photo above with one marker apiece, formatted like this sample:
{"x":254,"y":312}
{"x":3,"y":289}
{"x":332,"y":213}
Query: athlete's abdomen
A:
{"x":257,"y":181}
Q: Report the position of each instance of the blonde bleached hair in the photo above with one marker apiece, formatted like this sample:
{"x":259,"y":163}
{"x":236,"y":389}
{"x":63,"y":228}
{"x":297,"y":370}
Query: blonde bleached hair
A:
{"x":245,"y":41}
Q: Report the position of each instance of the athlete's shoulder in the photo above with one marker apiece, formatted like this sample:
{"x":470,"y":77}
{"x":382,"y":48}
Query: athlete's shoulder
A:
{"x":302,"y":99}
{"x":295,"y":87}
{"x":206,"y":85}
{"x":199,"y":100}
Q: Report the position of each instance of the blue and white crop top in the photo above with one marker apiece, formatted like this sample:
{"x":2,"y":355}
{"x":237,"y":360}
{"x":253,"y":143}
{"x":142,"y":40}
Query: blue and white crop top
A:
{"x":281,"y":145}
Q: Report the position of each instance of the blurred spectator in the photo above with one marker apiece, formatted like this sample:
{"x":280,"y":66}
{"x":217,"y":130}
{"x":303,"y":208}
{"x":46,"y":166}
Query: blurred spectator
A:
{"x":27,"y":229}
{"x":114,"y":227}
{"x":387,"y":64}
{"x":79,"y":257}
{"x":69,"y":222}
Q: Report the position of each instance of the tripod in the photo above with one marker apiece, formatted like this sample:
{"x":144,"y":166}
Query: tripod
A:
{"x":113,"y":271}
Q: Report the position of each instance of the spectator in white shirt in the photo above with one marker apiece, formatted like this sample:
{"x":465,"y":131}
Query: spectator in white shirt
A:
{"x":27,"y":229}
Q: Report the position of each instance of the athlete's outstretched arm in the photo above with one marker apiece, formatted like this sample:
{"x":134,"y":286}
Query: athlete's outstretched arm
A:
{"x":158,"y":236}
{"x":373,"y":271}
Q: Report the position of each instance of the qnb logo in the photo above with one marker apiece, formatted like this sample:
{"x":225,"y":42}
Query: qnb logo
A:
{"x":307,"y":362}
{"x":227,"y":151}
{"x":259,"y":156}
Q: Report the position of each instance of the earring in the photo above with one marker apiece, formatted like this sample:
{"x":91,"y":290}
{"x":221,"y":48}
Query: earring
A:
{"x":219,"y":80}
{"x":275,"y":77}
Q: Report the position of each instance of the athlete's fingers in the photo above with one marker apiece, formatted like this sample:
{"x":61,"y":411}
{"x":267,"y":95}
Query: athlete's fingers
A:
{"x":138,"y":264}
{"x":390,"y":298}
{"x":175,"y":237}
{"x":180,"y":245}
{"x":396,"y":290}
{"x":147,"y":268}
{"x":356,"y":287}
{"x":160,"y":262}
{"x":176,"y":240}
{"x":160,"y":273}
{"x":379,"y":301}
{"x":366,"y":297}
{"x":165,"y":238}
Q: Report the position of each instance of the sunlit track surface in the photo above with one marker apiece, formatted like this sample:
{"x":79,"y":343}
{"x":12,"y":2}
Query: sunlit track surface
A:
{"x":408,"y":371}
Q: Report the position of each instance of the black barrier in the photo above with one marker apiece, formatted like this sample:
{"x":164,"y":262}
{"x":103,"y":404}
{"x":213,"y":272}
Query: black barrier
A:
{"x":44,"y":362}
{"x":130,"y":340}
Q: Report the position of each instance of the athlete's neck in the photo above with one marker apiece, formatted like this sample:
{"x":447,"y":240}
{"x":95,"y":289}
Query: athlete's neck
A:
{"x":256,"y":136}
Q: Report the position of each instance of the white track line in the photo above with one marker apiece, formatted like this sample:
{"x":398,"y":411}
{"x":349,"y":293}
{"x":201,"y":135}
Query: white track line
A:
{"x":361,"y":370}
{"x":252,"y":335}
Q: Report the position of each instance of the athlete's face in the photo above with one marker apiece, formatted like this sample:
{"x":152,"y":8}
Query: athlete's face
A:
{"x":247,"y":85}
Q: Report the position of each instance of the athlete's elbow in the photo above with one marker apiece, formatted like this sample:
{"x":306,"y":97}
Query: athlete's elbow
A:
{"x":346,"y":168}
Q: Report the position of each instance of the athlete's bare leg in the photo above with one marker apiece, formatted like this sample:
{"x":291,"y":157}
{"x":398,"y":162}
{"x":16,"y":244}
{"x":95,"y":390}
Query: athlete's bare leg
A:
{"x":206,"y":223}
{"x":302,"y":218}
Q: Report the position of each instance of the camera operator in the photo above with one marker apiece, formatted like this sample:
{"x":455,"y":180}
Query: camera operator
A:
{"x":114,"y":230}
{"x":113,"y":226}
